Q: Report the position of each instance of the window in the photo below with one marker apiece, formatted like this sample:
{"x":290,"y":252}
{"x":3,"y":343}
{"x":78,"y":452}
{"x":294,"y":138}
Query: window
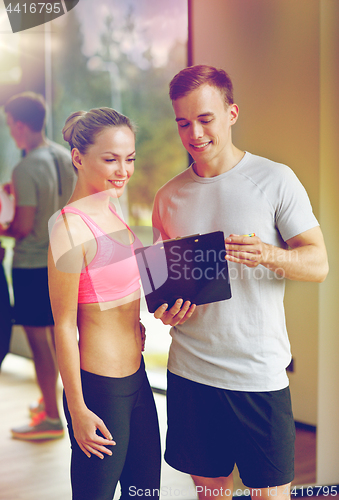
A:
{"x":123,"y":55}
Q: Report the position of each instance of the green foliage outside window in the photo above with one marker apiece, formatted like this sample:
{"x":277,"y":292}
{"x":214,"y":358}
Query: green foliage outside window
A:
{"x":110,"y":77}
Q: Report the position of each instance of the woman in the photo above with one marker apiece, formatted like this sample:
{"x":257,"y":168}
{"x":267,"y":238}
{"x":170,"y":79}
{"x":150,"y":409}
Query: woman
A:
{"x":94,"y":286}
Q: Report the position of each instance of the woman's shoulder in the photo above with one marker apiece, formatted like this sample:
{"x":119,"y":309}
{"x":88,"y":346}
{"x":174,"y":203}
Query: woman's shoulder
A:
{"x":68,"y":236}
{"x":67,"y":225}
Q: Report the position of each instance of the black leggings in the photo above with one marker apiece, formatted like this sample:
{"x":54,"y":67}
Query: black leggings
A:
{"x":126,"y":405}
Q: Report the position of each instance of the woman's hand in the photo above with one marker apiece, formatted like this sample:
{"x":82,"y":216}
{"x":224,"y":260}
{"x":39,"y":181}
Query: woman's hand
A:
{"x":85,"y":426}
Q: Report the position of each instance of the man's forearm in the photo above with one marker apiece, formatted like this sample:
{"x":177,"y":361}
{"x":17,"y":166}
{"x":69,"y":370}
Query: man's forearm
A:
{"x":22,"y":223}
{"x":12,"y":232}
{"x":4,"y":230}
{"x":306,"y":263}
{"x":304,"y":260}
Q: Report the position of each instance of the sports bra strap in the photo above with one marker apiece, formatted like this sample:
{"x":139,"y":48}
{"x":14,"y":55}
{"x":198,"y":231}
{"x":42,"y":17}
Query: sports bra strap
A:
{"x":88,"y":221}
{"x":67,"y":228}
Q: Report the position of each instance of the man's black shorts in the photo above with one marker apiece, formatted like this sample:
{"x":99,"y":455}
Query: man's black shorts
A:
{"x":32,"y":306}
{"x":211,"y":429}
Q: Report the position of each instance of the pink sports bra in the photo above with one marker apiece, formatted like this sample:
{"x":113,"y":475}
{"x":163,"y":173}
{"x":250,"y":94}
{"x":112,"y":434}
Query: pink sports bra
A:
{"x":113,"y":273}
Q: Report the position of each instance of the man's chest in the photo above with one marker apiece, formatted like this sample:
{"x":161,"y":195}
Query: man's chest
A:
{"x":202,"y":210}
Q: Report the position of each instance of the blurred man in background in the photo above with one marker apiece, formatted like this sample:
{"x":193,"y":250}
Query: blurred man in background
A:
{"x":5,"y":309}
{"x":42,"y":182}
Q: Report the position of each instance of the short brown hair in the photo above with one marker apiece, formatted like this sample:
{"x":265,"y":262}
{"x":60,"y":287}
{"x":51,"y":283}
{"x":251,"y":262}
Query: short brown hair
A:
{"x":28,"y":108}
{"x":193,"y":77}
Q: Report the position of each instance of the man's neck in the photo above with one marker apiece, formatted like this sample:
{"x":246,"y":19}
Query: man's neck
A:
{"x":219,"y":166}
{"x":35,"y":140}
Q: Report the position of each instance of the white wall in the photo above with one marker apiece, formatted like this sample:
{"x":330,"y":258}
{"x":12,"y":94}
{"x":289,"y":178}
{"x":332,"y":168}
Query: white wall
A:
{"x":328,"y":387}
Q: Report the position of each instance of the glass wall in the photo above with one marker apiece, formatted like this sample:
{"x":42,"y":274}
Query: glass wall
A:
{"x":10,"y":75}
{"x":114,"y":53}
{"x":104,"y":53}
{"x":123,"y":55}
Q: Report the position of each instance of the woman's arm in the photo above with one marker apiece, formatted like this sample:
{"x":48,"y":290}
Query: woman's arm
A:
{"x":64,"y":299}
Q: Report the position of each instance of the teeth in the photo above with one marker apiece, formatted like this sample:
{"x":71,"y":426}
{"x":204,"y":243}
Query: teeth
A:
{"x":200,"y":145}
{"x":117,"y":183}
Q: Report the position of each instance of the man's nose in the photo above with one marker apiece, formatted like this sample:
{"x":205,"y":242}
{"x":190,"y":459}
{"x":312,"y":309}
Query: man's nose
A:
{"x":197,"y":131}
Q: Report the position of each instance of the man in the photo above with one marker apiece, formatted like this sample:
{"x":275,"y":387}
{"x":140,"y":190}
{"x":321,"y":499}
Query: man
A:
{"x":43,"y":182}
{"x":6,"y":311}
{"x":228,"y":396}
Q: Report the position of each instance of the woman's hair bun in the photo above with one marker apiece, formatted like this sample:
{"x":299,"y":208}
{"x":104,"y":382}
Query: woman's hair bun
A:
{"x":70,"y":125}
{"x":82,"y":127}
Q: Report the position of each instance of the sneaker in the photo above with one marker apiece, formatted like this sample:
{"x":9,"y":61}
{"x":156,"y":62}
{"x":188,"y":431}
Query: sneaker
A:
{"x":41,"y":427}
{"x":36,"y":407}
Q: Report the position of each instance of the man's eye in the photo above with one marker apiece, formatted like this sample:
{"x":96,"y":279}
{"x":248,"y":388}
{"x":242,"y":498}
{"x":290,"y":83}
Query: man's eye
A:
{"x":205,"y":121}
{"x":183,"y":125}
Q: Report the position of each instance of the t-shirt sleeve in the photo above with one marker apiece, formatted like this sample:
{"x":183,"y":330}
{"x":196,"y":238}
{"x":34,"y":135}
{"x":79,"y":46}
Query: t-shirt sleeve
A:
{"x":158,"y":229}
{"x":294,"y":213}
{"x":24,"y":188}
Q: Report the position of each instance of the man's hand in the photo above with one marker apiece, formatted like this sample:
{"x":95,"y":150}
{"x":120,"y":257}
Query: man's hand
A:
{"x":8,"y":188}
{"x":22,"y":223}
{"x":248,"y":250}
{"x":177,"y":315}
{"x":304,"y":260}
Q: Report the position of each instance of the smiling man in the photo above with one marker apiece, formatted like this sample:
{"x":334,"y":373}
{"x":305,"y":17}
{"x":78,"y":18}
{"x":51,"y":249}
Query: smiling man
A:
{"x":43,"y":182}
{"x":228,"y":395}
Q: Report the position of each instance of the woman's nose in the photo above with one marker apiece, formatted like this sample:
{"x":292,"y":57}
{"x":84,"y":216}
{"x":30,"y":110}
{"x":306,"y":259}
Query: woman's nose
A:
{"x":121,"y":169}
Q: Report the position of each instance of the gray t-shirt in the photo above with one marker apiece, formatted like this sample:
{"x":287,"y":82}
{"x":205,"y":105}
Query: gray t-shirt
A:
{"x":241,"y":343}
{"x":37,"y":183}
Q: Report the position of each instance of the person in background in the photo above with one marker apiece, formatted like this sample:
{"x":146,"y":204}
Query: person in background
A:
{"x":95,"y":287}
{"x":5,"y":310}
{"x":6,"y":314}
{"x":228,"y":395}
{"x":42,"y":181}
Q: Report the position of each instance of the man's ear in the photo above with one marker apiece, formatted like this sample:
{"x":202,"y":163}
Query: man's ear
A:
{"x":77,"y":159}
{"x":22,"y":129}
{"x":234,"y":113}
{"x":20,"y":126}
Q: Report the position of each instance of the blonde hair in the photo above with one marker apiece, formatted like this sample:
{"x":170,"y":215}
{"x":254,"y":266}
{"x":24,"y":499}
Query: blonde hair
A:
{"x":82,"y":127}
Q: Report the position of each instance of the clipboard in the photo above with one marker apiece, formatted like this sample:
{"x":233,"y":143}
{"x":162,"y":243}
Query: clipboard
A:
{"x":191,"y":268}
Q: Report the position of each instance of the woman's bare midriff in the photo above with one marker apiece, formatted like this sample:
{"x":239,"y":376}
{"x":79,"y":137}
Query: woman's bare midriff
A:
{"x":109,"y":337}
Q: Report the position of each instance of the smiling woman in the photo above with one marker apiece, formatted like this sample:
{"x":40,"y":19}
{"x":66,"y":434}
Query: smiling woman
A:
{"x":110,"y":158}
{"x":109,"y":162}
{"x":94,"y":285}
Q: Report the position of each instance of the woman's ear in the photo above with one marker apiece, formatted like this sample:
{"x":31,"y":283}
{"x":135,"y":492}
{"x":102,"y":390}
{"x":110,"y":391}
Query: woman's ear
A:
{"x":77,"y":159}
